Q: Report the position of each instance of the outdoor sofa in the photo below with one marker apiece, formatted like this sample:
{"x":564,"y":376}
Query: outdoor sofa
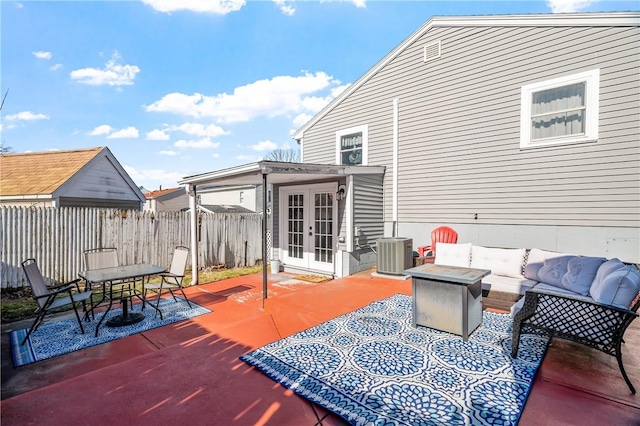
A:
{"x":588,"y":300}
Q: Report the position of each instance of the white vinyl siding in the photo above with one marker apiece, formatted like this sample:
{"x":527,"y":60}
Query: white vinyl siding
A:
{"x":459,"y":129}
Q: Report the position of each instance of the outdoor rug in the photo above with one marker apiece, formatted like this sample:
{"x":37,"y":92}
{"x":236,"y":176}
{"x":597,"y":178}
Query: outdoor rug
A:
{"x":61,"y":337}
{"x":372,"y":367}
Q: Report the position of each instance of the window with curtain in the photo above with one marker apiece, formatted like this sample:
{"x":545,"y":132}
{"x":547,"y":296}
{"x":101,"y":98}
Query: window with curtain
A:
{"x":562,"y":110}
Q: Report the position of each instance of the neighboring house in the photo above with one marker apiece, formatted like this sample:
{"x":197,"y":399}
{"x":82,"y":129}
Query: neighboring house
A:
{"x":75,"y":178}
{"x":231,"y":199}
{"x":170,"y":199}
{"x":517,"y":131}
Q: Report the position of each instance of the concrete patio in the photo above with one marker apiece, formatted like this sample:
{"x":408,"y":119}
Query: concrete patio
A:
{"x":189,"y":373}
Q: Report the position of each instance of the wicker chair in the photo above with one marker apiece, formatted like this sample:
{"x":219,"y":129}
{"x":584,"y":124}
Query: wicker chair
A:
{"x":582,"y":321}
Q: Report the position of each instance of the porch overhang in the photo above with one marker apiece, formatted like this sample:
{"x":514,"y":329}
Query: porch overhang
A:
{"x":279,"y":173}
{"x":263,"y":172}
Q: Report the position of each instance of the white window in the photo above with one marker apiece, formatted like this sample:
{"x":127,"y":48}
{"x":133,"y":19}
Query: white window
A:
{"x":351,"y":145}
{"x":559,"y":111}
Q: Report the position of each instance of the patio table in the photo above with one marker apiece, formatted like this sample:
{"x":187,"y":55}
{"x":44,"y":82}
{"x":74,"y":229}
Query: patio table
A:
{"x":116,"y":279}
{"x":447,"y":298}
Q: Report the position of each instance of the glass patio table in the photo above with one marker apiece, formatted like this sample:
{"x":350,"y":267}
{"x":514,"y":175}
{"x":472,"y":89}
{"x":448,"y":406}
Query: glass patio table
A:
{"x":119,"y":283}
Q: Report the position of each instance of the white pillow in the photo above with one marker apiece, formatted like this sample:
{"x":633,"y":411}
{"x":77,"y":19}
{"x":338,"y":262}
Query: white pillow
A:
{"x":453,"y":254}
{"x":536,"y":259}
{"x":504,"y":262}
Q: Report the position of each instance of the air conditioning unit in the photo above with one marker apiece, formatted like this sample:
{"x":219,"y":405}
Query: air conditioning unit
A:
{"x":394,"y":255}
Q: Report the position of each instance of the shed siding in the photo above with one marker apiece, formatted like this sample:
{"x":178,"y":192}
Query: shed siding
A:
{"x":459,"y":129}
{"x":99,"y":180}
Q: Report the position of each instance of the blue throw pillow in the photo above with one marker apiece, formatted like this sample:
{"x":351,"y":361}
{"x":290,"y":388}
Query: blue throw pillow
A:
{"x":619,"y":288}
{"x":581,"y":271}
{"x":605,"y":269}
{"x":553,"y":270}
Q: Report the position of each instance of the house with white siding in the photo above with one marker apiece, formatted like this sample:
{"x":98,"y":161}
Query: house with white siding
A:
{"x":516,"y":131}
{"x":166,"y":200}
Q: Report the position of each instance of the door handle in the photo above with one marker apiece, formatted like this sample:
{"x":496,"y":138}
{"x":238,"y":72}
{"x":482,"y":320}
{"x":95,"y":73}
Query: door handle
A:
{"x":310,"y":231}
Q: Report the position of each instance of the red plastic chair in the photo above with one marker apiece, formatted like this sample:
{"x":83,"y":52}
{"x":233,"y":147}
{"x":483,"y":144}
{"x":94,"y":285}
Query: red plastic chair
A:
{"x":442,"y":234}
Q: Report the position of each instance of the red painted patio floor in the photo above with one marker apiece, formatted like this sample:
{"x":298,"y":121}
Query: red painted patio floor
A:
{"x":189,"y":373}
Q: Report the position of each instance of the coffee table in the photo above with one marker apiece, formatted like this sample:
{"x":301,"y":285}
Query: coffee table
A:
{"x":447,"y":298}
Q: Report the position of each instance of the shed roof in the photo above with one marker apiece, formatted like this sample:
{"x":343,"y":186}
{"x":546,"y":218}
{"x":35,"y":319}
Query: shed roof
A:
{"x":41,"y":173}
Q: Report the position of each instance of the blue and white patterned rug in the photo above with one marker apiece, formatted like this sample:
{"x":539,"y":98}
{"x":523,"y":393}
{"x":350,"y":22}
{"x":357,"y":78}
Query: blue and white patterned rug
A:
{"x":61,"y":337}
{"x":372,"y":367}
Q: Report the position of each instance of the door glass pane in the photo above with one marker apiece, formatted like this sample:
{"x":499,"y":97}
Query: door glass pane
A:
{"x":323,"y":209}
{"x":295,"y":222}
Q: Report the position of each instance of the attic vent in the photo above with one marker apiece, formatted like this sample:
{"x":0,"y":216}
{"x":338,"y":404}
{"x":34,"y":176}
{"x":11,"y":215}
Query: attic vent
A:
{"x":432,"y":51}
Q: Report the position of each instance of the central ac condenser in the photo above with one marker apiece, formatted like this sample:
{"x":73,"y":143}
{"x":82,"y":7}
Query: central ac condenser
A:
{"x":394,"y":255}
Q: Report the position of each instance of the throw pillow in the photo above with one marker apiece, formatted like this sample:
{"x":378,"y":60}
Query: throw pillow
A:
{"x":553,"y":270}
{"x":581,"y":271}
{"x":619,"y":288}
{"x":535,"y":261}
{"x":605,"y":269}
{"x":504,"y":262}
{"x":453,"y":254}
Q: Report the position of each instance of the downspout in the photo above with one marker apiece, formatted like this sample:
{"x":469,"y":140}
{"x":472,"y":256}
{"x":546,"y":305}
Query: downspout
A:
{"x":394,"y":196}
{"x":264,"y":238}
{"x":191,"y":190}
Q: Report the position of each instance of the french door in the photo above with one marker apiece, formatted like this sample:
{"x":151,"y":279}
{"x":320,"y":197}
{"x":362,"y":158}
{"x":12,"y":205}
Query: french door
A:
{"x":308,"y":226}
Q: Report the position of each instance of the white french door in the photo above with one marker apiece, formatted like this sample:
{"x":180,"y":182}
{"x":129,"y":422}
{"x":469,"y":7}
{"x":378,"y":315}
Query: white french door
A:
{"x":308,"y":226}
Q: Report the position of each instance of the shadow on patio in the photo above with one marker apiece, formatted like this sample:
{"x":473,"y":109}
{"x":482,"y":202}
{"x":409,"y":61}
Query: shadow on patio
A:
{"x":189,"y":372}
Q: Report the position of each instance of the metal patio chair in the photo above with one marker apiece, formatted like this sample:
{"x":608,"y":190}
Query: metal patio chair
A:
{"x":100,"y":258}
{"x":50,"y":298}
{"x":172,"y":280}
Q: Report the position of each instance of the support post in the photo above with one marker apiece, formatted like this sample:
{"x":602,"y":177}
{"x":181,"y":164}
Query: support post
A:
{"x":191,"y":190}
{"x":264,"y":238}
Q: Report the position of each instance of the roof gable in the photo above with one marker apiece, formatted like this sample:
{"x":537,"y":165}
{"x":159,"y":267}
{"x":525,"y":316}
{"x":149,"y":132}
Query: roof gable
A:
{"x":564,"y":19}
{"x":41,"y":173}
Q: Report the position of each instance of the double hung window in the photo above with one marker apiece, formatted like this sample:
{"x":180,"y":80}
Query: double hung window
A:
{"x":562,"y":110}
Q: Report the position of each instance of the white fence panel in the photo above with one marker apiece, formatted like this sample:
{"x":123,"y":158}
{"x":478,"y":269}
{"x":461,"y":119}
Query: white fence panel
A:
{"x":56,"y":238}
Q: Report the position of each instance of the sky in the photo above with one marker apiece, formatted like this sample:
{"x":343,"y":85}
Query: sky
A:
{"x":180,"y":87}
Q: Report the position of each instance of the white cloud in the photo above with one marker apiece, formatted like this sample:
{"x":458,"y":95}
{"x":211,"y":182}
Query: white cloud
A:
{"x":198,"y":144}
{"x":42,"y":55}
{"x":154,"y":175}
{"x":568,"y":6}
{"x":126,"y":133}
{"x":264,"y":146}
{"x":27,"y":116}
{"x":218,"y":7}
{"x":103,"y":129}
{"x":157,"y":135}
{"x":197,"y":129}
{"x":113,"y":74}
{"x":285,"y":7}
{"x":360,"y":3}
{"x":169,"y":153}
{"x":270,"y":98}
{"x":55,"y":67}
{"x":301,"y":119}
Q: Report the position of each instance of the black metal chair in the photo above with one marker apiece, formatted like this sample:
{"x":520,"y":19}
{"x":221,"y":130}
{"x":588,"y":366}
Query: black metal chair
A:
{"x":50,"y":298}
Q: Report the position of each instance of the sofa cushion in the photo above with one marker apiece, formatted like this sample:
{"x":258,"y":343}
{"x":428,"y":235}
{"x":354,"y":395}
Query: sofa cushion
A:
{"x":505,"y":262}
{"x":605,"y":269}
{"x":618,"y":288}
{"x":581,"y":271}
{"x":502,"y":284}
{"x":547,"y":288}
{"x":453,"y":254}
{"x":553,"y":270}
{"x":536,"y":260}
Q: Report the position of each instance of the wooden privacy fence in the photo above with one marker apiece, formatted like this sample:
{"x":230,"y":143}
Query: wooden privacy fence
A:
{"x":56,"y":238}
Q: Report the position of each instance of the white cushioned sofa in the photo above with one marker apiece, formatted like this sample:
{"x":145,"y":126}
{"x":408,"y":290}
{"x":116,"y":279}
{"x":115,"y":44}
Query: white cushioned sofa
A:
{"x":588,"y":300}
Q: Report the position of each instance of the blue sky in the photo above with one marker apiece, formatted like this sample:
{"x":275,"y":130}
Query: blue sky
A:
{"x":180,"y":87}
